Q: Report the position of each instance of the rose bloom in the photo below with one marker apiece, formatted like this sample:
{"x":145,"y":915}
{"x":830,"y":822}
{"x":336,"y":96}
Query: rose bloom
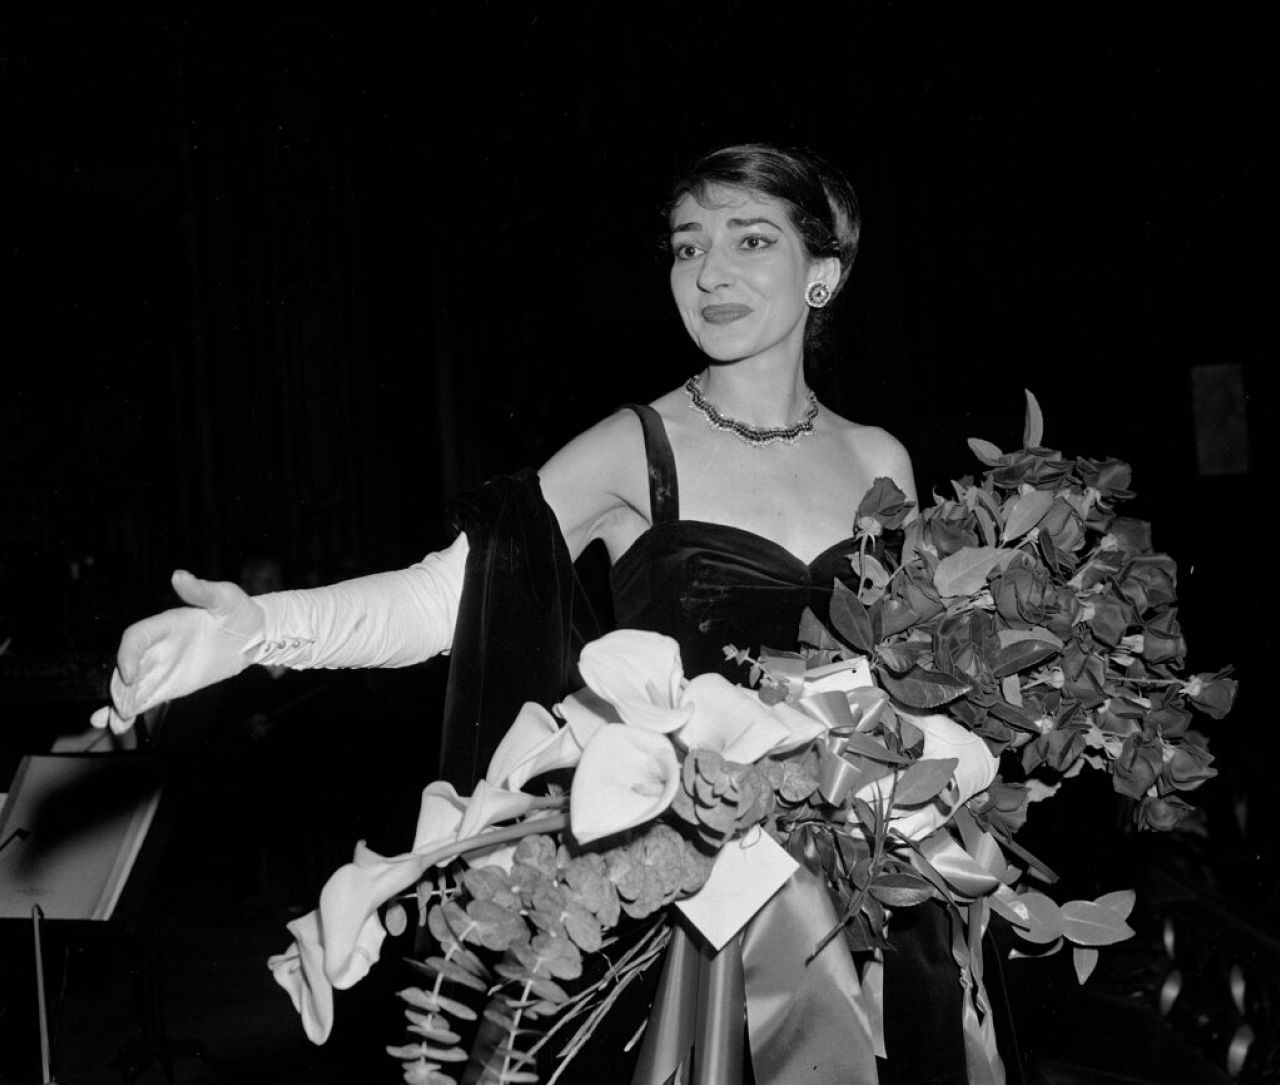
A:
{"x":953,"y":530}
{"x":1187,"y":765}
{"x":1130,"y":535}
{"x":1002,"y":807}
{"x":1162,"y":639}
{"x":1168,"y":716}
{"x":1062,"y":524}
{"x":1150,"y":581}
{"x":1138,"y":765}
{"x":1212,"y":694}
{"x":1025,"y":594}
{"x":1162,"y":814}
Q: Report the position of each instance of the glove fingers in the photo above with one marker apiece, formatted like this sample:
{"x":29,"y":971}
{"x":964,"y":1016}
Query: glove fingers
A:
{"x":117,"y":714}
{"x":136,"y":640}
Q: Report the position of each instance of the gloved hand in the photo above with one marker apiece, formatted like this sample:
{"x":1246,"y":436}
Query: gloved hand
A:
{"x":182,"y":650}
{"x":390,"y":619}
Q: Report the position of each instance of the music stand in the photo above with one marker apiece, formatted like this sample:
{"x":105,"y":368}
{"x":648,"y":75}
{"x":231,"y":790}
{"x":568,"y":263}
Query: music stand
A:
{"x":73,"y":825}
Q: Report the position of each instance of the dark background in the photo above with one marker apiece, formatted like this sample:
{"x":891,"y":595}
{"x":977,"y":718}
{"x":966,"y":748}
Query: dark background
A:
{"x":279,"y":279}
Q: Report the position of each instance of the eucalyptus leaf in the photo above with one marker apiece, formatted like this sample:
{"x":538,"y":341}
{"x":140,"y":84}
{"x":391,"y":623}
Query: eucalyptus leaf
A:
{"x":430,"y":1000}
{"x":965,"y":572}
{"x":450,"y":971}
{"x":396,"y":920}
{"x":923,"y":780}
{"x":1090,"y":924}
{"x":435,"y":1031}
{"x":443,"y":1054}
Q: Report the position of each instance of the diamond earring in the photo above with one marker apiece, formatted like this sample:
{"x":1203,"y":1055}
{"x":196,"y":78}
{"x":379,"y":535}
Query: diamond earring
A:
{"x":817,"y":295}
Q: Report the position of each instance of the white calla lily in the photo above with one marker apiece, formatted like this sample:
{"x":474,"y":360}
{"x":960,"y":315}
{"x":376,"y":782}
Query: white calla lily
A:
{"x":350,"y":931}
{"x":489,"y":805}
{"x":439,"y":816}
{"x":739,"y":726}
{"x":640,"y":674}
{"x":530,"y":730}
{"x":730,"y":720}
{"x":534,"y":744}
{"x":627,"y":776}
{"x":300,"y":971}
{"x":585,"y":713}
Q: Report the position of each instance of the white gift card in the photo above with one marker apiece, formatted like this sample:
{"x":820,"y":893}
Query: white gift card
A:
{"x":843,"y":676}
{"x":746,"y":873}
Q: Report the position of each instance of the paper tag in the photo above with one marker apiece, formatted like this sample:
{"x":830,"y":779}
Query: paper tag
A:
{"x":746,"y":873}
{"x":843,"y":676}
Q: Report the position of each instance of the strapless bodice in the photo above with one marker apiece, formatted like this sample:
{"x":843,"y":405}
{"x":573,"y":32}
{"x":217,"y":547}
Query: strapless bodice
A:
{"x":708,"y":585}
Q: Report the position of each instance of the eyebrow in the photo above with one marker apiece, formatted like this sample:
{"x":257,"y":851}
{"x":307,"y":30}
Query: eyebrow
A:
{"x":733,"y":224}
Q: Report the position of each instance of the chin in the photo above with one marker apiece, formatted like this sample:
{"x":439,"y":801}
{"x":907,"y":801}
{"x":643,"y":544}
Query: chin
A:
{"x":720,"y":345}
{"x":724,"y":352}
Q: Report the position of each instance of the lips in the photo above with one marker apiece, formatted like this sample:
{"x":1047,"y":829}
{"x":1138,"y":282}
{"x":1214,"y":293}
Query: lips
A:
{"x":724,"y":314}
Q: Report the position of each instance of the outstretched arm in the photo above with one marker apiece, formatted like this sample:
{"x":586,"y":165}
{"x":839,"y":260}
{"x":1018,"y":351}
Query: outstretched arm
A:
{"x":385,"y":620}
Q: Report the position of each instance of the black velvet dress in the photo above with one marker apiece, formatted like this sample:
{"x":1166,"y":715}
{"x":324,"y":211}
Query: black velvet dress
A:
{"x":705,"y":585}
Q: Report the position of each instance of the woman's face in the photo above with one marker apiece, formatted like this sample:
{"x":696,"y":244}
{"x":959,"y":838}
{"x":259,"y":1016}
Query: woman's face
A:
{"x":739,"y":272}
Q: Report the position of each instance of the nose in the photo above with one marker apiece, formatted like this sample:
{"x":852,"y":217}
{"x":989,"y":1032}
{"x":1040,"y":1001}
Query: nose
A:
{"x":716,"y":270}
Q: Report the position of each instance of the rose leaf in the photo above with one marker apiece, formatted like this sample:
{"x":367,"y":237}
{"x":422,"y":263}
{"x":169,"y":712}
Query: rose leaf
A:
{"x":923,"y":780}
{"x":965,"y":572}
{"x":1090,"y":924}
{"x":919,"y":688}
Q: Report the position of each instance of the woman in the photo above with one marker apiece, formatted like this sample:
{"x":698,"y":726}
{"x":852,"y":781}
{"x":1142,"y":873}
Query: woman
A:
{"x":723,"y":506}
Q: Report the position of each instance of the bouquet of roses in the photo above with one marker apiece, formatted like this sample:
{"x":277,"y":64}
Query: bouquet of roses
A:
{"x":981,"y":654}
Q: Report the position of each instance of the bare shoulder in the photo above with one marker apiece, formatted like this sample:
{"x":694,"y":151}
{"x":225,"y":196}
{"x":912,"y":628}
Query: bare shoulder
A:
{"x":598,"y":474}
{"x":876,"y":450}
{"x":871,"y":442}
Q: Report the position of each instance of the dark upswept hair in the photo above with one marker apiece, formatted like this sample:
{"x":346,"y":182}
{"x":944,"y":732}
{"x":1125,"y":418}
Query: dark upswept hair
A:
{"x":820,"y":201}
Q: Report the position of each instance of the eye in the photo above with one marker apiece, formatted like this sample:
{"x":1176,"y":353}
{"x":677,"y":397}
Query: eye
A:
{"x":684,"y":250}
{"x":756,"y":242}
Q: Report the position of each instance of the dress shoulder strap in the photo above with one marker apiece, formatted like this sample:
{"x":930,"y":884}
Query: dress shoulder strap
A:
{"x":664,"y":490}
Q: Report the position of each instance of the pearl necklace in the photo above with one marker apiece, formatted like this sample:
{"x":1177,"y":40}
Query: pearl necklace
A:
{"x":755,"y":436}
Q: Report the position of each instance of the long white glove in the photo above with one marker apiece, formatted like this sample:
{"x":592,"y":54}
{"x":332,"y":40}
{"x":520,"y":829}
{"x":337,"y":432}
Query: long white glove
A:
{"x":384,"y":620}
